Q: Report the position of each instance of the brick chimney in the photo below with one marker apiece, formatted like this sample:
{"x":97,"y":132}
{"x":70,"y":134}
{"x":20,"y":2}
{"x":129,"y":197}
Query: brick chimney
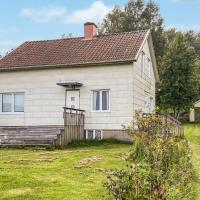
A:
{"x":90,"y":30}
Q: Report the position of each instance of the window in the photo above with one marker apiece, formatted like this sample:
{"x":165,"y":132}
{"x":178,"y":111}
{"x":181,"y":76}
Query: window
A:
{"x":73,"y":98}
{"x":96,"y":100}
{"x":146,"y":66}
{"x":149,"y":68}
{"x":94,"y":134}
{"x":101,"y":100}
{"x":11,"y":102}
{"x":18,"y":102}
{"x":142,"y":63}
{"x":6,"y":103}
{"x":148,"y":103}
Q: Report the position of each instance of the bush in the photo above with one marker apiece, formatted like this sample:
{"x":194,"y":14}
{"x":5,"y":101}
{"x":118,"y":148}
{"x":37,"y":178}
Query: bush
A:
{"x":159,"y":165}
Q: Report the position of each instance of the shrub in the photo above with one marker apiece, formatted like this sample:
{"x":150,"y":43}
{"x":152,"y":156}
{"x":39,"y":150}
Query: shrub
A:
{"x":159,"y":165}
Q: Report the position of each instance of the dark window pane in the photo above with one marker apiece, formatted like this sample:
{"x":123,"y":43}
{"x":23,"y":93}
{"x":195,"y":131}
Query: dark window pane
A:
{"x":96,"y":100}
{"x":98,"y":135}
{"x":90,"y":134}
{"x":7,"y":103}
{"x":105,"y":100}
{"x":19,"y":103}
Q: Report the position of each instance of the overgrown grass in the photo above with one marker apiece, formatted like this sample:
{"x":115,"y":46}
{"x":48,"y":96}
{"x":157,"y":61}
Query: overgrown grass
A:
{"x":32,"y":173}
{"x":192,"y":132}
{"x":29,"y":174}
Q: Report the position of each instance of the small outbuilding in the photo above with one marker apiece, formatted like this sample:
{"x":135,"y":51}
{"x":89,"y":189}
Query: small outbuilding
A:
{"x":195,"y":112}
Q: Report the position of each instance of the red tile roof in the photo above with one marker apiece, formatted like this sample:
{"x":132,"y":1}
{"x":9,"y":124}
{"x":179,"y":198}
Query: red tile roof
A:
{"x":109,"y":48}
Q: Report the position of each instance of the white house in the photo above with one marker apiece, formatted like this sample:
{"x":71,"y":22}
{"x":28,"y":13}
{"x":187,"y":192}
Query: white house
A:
{"x":109,"y":76}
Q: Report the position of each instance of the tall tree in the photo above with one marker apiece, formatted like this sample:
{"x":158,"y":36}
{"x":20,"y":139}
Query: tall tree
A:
{"x":178,"y":87}
{"x":137,"y":15}
{"x":194,"y":40}
{"x":192,"y":37}
{"x":113,"y":21}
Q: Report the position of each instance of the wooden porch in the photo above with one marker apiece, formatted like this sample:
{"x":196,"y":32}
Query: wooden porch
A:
{"x":73,"y":127}
{"x":73,"y":130}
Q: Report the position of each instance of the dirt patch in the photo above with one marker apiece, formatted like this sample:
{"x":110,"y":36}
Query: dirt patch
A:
{"x":19,"y":192}
{"x":20,"y":161}
{"x":39,"y":160}
{"x":87,"y":161}
{"x":48,"y":160}
{"x":61,"y":152}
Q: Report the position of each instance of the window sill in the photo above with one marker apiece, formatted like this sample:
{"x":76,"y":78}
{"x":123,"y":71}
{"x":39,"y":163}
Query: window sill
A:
{"x":11,"y":113}
{"x":100,"y":111}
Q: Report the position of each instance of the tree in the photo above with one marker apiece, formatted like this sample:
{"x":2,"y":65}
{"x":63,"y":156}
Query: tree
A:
{"x":178,"y":87}
{"x":137,"y":15}
{"x":192,"y":38}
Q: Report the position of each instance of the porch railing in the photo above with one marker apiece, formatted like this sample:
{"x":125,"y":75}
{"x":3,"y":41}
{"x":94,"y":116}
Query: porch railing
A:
{"x":73,"y":127}
{"x":166,"y":123}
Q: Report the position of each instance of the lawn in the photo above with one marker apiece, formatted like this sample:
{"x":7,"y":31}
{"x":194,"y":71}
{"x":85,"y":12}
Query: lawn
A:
{"x":30,"y":174}
{"x":73,"y":174}
{"x":192,"y":132}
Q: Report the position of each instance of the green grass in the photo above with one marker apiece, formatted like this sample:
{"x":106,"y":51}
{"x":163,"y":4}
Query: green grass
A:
{"x":29,"y":174}
{"x":192,"y":132}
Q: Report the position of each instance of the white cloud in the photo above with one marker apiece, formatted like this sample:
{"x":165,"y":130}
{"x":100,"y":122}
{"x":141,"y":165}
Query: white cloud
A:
{"x":95,"y":13}
{"x":43,"y":14}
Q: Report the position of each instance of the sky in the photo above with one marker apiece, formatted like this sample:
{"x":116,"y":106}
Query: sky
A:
{"x":25,"y":20}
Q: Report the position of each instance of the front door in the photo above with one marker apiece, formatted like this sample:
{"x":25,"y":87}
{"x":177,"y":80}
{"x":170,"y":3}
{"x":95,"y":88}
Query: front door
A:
{"x":72,"y":99}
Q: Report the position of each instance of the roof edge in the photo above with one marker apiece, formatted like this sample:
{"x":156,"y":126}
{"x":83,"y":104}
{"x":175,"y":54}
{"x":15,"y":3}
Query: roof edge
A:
{"x":152,"y":51}
{"x":34,"y":67}
{"x":148,"y":38}
{"x":197,"y":101}
{"x":142,"y":45}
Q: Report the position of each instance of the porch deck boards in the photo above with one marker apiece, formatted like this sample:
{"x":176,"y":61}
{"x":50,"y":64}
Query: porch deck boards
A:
{"x":30,"y":135}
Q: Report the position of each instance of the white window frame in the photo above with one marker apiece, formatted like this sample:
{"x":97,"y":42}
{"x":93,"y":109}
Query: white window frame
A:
{"x":149,"y":67}
{"x":93,"y":138}
{"x":13,"y":103}
{"x":100,"y":110}
{"x":148,"y":106}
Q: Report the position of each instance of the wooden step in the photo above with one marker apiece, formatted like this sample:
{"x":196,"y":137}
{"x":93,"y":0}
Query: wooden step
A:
{"x":30,"y":135}
{"x":27,"y":141}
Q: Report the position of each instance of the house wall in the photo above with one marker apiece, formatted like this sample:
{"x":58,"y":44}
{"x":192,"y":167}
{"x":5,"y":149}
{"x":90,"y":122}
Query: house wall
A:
{"x":142,"y":84}
{"x":44,"y":100}
{"x":197,"y":104}
{"x":197,"y":114}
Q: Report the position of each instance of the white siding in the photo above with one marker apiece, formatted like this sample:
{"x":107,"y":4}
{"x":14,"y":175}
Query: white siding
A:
{"x":197,"y":104}
{"x":142,"y":84}
{"x":44,"y":99}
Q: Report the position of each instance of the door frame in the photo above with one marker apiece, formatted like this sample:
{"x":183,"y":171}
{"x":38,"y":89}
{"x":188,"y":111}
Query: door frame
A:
{"x":67,"y":90}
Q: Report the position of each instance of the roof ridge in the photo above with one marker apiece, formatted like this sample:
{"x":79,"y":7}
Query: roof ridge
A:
{"x":81,"y":37}
{"x":126,"y":32}
{"x":49,"y":40}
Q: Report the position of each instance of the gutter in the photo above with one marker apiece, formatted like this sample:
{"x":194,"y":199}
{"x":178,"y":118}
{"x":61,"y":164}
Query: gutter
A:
{"x":33,"y":67}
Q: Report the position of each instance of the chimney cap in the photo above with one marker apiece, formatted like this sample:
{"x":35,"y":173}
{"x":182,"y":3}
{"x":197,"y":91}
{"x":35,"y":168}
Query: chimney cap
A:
{"x":90,"y":23}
